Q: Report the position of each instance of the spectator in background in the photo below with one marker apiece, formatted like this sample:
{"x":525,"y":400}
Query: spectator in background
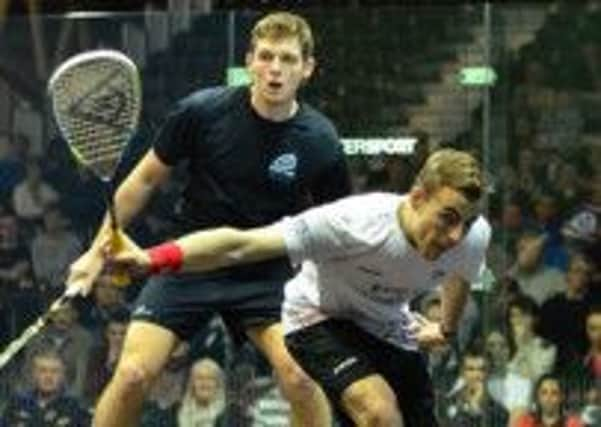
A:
{"x":45,"y":404}
{"x":104,"y":355}
{"x":548,"y":406}
{"x":591,"y":410}
{"x":32,"y":196}
{"x":53,"y":249}
{"x":97,"y":311}
{"x":15,"y":274}
{"x":563,"y":316}
{"x":535,"y":279}
{"x":528,"y":172}
{"x":470,"y":403}
{"x":583,"y":230}
{"x":203,"y":404}
{"x":12,"y":170}
{"x":588,"y":369}
{"x":269,"y":409}
{"x":569,"y":184}
{"x":167,"y":390}
{"x":511,"y":222}
{"x":71,"y":341}
{"x":531,"y":355}
{"x":507,"y":388}
{"x":547,"y":219}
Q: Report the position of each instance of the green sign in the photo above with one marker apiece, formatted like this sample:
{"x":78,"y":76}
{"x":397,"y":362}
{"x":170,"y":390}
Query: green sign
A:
{"x":477,"y":76}
{"x":237,"y":76}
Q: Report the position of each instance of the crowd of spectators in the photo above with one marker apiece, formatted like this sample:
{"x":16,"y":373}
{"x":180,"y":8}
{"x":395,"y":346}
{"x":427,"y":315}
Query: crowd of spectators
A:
{"x":529,"y":349}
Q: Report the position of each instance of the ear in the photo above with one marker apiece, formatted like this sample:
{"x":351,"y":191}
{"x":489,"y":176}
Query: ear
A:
{"x":308,"y":67}
{"x":417,"y":197}
{"x":248,"y":58}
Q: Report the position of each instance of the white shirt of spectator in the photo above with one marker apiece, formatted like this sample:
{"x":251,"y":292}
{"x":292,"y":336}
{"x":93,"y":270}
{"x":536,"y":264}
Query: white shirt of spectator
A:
{"x":356,"y":263}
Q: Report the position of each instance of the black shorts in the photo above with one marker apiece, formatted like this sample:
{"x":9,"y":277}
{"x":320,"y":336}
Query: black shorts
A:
{"x":337,"y":353}
{"x":245,"y":296}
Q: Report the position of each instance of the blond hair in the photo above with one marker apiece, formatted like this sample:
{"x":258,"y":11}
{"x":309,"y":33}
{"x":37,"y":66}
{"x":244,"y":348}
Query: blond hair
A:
{"x":280,"y":25}
{"x":452,"y":168}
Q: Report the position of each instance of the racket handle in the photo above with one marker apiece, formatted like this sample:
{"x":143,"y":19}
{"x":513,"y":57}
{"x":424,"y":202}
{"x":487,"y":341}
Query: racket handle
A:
{"x":118,"y":278}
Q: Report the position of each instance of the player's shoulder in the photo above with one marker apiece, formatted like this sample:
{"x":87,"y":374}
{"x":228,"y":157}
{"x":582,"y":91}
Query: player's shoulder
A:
{"x":212,"y":99}
{"x":317,"y":123}
{"x":367,"y":215}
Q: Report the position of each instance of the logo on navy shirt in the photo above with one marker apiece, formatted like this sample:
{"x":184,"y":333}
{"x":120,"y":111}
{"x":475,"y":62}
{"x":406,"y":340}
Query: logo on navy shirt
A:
{"x":283,"y":168}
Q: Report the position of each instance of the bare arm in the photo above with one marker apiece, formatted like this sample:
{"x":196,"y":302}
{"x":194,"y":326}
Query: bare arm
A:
{"x":211,"y":249}
{"x":222,"y":247}
{"x":135,"y":191}
{"x":454,"y":297}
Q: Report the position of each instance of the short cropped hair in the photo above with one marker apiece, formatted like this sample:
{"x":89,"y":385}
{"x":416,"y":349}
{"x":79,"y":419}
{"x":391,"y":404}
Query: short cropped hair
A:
{"x":453,"y":168}
{"x":280,"y":25}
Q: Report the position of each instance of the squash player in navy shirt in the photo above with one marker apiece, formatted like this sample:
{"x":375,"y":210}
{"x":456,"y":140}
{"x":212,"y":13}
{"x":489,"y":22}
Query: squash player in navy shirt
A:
{"x":254,"y":155}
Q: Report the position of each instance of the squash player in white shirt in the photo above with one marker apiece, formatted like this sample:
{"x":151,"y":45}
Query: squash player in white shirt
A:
{"x":360,"y":261}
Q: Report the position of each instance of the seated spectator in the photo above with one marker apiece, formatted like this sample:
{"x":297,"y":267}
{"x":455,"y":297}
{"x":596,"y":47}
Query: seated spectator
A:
{"x":12,"y":170}
{"x":105,"y":355}
{"x":531,"y":355}
{"x":591,"y":410}
{"x":563,"y":315}
{"x":15,"y":275}
{"x":53,"y":250}
{"x":548,"y":406}
{"x":507,"y":388}
{"x":535,"y":279}
{"x":469,"y":403}
{"x":168,"y":389}
{"x":45,"y":404}
{"x":583,"y":229}
{"x":269,"y":408}
{"x":105,"y":299}
{"x":204,"y":400}
{"x":32,"y":195}
{"x":579,"y":373}
{"x":71,"y":341}
{"x":546,"y":206}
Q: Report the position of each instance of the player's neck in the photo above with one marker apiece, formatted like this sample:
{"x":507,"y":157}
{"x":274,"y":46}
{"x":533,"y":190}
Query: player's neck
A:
{"x":276,"y":112}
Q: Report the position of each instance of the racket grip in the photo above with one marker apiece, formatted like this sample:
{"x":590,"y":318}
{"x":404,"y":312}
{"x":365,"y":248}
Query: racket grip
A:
{"x":118,"y":278}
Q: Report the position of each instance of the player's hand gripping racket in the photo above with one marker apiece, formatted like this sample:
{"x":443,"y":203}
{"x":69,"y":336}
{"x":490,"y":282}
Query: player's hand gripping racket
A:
{"x":96,"y":100}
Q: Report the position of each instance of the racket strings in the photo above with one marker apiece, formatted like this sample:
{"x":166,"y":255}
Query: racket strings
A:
{"x":97,"y":107}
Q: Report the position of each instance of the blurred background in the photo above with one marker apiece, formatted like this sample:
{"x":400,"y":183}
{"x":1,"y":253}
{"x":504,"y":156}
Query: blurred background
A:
{"x":517,"y":84}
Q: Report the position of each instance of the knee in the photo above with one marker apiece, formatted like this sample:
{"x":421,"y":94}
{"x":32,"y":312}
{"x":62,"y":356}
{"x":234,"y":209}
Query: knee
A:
{"x":132,"y":377}
{"x":295,"y":384}
{"x":375,"y":411}
{"x":382,"y":414}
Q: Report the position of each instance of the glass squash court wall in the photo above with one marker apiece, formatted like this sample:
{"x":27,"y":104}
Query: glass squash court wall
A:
{"x":516,"y":84}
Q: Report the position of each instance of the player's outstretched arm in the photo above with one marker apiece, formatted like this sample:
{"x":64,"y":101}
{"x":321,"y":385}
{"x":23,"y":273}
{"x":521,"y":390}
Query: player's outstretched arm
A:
{"x":203,"y":250}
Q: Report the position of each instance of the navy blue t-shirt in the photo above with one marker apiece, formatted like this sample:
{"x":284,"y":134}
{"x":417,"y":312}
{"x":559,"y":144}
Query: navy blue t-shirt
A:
{"x":247,"y":171}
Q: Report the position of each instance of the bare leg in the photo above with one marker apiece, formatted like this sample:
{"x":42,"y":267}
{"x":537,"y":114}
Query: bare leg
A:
{"x":309,"y":404}
{"x":145,"y":351}
{"x":370,"y":402}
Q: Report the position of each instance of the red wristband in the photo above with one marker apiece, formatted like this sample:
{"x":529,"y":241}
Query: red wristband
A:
{"x":165,"y":257}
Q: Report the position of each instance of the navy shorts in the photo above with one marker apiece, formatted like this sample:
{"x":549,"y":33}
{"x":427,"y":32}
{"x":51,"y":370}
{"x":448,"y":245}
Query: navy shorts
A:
{"x":245,"y":296}
{"x":336,"y":353}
